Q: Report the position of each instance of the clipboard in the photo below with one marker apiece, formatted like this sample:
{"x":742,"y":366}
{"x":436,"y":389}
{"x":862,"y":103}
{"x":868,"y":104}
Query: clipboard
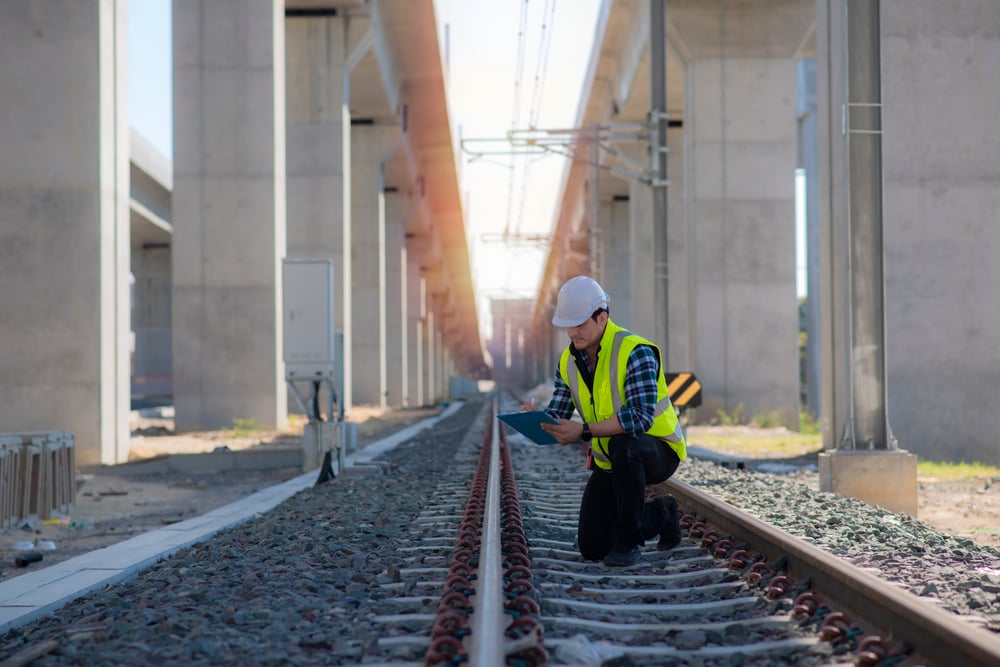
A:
{"x":529,"y":423}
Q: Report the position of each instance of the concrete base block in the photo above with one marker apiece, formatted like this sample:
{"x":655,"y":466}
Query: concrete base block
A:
{"x":208,"y":462}
{"x":318,"y":438}
{"x":349,"y":436}
{"x":884,"y":478}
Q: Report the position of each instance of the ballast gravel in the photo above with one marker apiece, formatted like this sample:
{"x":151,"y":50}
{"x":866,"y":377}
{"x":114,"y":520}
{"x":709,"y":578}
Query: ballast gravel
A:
{"x":301,"y":585}
{"x":962,"y":576}
{"x":304,"y":583}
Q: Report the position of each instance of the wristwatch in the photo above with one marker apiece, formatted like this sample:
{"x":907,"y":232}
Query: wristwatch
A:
{"x":586,"y":436}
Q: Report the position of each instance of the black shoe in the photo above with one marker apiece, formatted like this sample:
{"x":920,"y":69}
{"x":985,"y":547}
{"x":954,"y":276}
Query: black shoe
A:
{"x":670,"y":537}
{"x":621,"y":558}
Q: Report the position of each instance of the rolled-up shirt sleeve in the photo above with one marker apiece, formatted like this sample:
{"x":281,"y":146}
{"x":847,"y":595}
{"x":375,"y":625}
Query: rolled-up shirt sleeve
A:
{"x":643,"y":369}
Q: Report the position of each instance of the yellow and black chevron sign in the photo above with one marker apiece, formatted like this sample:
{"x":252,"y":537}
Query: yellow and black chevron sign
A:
{"x":684,"y":390}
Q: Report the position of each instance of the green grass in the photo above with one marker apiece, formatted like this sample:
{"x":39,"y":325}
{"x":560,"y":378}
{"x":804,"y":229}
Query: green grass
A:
{"x":752,"y":443}
{"x":244,"y":428}
{"x":736,"y":418}
{"x":955,"y":471}
{"x":807,"y":423}
{"x":763,"y":444}
{"x":768,"y":419}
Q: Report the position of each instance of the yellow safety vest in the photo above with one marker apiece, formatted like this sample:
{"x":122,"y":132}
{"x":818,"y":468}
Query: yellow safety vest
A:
{"x":617,"y":344}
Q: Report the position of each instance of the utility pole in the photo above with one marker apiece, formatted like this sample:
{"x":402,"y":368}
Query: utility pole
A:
{"x":868,"y":428}
{"x":658,"y":158}
{"x":867,"y":463}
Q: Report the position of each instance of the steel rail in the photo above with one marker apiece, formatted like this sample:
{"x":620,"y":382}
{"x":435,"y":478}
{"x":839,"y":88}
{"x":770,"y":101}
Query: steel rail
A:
{"x":486,"y":640}
{"x":934,"y":634}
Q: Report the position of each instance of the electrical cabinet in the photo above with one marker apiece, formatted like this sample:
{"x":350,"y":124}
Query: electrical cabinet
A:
{"x":309,"y":337}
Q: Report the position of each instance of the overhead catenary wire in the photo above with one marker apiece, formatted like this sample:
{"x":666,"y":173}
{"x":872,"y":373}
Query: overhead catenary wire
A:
{"x":535,"y":106}
{"x":521,"y":164}
{"x":519,"y":167}
{"x":542,"y":63}
{"x":533,"y":49}
{"x":522,"y":39}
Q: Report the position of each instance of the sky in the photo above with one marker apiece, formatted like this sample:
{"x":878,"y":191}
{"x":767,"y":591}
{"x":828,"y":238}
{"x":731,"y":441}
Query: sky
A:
{"x":150,"y":88}
{"x":535,"y":52}
{"x":498,"y":50}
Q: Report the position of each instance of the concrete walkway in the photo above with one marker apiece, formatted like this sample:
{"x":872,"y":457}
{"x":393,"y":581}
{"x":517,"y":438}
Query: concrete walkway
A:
{"x":31,"y":596}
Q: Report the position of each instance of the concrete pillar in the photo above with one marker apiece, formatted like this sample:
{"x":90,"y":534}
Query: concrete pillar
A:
{"x":681,"y":259}
{"x":395,"y":297}
{"x":499,"y":344}
{"x":414,"y":331}
{"x":554,"y":343}
{"x":809,"y":162}
{"x":64,"y":224}
{"x":447,"y":363}
{"x":370,"y":145}
{"x":150,"y":231}
{"x":743,"y":151}
{"x":631,"y":249}
{"x":740,"y":156}
{"x":447,"y":371}
{"x":522,"y":355}
{"x":593,"y":221}
{"x":321,"y":51}
{"x":617,"y":262}
{"x":628,"y":247}
{"x":644,"y":319}
{"x":453,"y":371}
{"x":439,"y":384}
{"x":941,"y":196}
{"x":151,"y":362}
{"x":228,"y":212}
{"x":430,"y":356}
{"x":558,"y":340}
{"x":832,"y":212}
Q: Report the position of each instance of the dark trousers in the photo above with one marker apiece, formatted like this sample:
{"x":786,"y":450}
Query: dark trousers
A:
{"x":614,"y":513}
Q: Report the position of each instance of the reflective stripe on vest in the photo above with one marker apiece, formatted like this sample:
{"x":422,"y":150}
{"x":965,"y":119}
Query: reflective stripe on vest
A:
{"x":616,"y":398}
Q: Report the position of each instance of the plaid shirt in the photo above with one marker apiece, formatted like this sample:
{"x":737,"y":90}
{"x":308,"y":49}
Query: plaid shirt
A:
{"x":641,"y":374}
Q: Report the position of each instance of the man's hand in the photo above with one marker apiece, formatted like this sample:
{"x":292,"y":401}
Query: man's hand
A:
{"x":530,"y":406}
{"x":564,"y":431}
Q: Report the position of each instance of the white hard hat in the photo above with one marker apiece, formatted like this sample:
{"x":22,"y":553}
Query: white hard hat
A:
{"x":577,"y":300}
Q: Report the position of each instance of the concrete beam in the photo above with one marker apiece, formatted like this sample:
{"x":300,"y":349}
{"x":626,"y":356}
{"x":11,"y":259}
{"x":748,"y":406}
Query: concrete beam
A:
{"x":634,"y":52}
{"x":713,"y":29}
{"x":413,"y":59}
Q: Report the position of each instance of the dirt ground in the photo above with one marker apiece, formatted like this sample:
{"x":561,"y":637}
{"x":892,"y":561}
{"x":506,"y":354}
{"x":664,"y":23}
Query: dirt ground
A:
{"x":112,"y":506}
{"x":969,"y":508}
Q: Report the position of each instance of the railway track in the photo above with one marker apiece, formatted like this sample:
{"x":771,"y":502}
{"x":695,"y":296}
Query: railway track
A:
{"x":462,"y":552}
{"x":734,"y":592}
